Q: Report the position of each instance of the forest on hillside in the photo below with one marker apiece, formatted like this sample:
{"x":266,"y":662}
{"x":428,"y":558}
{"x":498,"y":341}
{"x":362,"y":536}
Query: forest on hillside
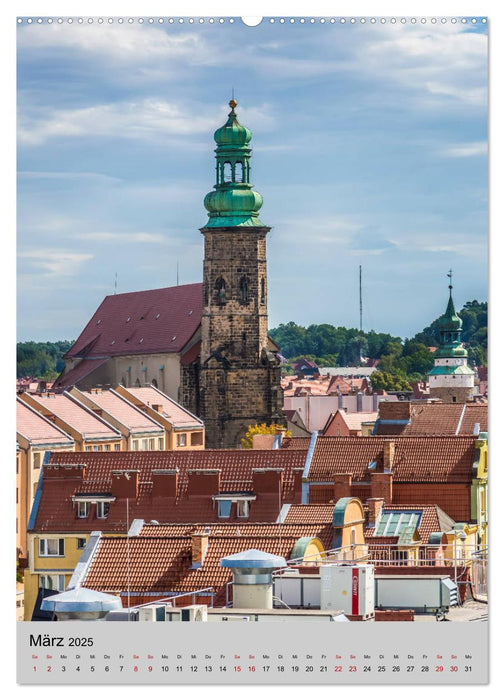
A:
{"x":329,"y":346}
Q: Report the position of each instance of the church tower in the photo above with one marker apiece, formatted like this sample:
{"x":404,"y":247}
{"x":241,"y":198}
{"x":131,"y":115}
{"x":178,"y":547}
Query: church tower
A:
{"x":451,"y":379}
{"x":239,"y":377}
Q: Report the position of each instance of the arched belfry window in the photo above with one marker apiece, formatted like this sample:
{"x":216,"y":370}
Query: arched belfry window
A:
{"x":239,"y":172}
{"x":220,"y":291}
{"x":263,"y":290}
{"x":227,"y":173}
{"x":244,"y":290}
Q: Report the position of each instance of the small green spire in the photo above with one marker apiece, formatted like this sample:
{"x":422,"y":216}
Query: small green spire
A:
{"x":450,"y":330}
{"x":233,"y":201}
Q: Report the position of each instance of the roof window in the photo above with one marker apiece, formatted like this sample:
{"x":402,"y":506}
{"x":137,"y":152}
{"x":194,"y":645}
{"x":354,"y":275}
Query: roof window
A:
{"x":128,"y":319}
{"x":141,"y":340}
{"x":98,"y":322}
{"x":157,"y":316}
{"x":174,"y":338}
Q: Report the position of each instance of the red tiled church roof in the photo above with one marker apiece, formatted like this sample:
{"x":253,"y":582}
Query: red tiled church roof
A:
{"x":155,"y":320}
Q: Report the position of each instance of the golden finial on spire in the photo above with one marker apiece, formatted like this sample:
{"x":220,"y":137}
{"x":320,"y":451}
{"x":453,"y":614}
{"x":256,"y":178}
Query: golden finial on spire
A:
{"x":233,"y":103}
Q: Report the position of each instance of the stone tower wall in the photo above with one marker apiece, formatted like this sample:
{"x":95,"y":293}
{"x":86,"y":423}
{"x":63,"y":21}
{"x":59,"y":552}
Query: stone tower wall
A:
{"x":239,"y":380}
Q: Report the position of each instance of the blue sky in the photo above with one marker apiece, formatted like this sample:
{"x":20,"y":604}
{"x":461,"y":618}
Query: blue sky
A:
{"x":369,"y":149}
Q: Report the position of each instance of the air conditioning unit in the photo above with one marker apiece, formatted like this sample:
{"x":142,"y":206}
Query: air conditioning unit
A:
{"x":152,"y":613}
{"x":348,"y":588}
{"x":194,"y":613}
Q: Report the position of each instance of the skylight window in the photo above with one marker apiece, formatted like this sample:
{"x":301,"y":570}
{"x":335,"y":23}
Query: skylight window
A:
{"x":190,"y":313}
{"x":141,"y":340}
{"x":158,"y":315}
{"x":128,"y":319}
{"x":392,"y":522}
{"x":98,"y":322}
{"x":174,"y":338}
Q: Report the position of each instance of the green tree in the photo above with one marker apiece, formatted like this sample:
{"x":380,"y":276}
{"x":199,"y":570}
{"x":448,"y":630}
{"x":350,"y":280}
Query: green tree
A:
{"x":261,"y":429}
{"x":389,"y":381}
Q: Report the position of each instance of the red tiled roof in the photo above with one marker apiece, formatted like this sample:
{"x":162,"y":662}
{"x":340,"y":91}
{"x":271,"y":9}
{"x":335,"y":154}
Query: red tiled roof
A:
{"x":192,"y":354}
{"x":56,"y":509}
{"x":433,"y":419}
{"x":296,"y":443}
{"x":172,"y":411}
{"x":38,"y":430}
{"x":474,"y":414}
{"x":309,"y":514}
{"x":78,"y":372}
{"x":74,"y":414}
{"x":122,"y":410}
{"x":156,"y":320}
{"x":417,"y":459}
{"x":161,"y":564}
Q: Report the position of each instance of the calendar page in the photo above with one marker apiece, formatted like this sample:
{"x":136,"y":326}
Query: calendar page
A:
{"x":252,"y":364}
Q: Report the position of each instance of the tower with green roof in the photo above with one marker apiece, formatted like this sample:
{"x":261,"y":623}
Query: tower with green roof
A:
{"x":239,"y":375}
{"x":451,"y":379}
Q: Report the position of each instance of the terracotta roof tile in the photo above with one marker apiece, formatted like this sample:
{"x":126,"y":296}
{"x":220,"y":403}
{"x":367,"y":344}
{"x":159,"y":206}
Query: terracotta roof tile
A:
{"x":416,"y":459}
{"x":74,"y":414}
{"x":432,"y":419}
{"x":38,"y":430}
{"x":309,"y":514}
{"x":130,"y":416}
{"x":56,"y":507}
{"x":172,"y":411}
{"x":161,"y":564}
{"x":80,"y":371}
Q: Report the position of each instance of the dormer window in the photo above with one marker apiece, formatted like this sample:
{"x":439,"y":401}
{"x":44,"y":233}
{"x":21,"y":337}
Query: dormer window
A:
{"x":102,"y":509}
{"x":242,"y":509}
{"x":225,"y":509}
{"x":82,"y":509}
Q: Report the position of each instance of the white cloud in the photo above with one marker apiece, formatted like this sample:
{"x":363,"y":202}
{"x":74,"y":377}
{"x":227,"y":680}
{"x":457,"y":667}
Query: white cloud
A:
{"x":139,"y":237}
{"x":149,"y":118}
{"x":465,"y":150}
{"x":122,"y":43}
{"x":54,"y":262}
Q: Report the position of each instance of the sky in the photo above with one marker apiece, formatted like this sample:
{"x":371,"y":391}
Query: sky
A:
{"x":369,"y":148}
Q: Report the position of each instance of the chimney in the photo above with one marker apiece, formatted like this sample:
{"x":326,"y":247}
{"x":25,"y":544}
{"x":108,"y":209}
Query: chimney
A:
{"x":388,"y":455}
{"x":164,"y":482}
{"x":375,"y":402}
{"x":342,"y":486}
{"x":125,"y":483}
{"x":359,"y":402}
{"x":203,"y":482}
{"x":298,"y":483}
{"x":263,"y":442}
{"x":374,"y":508}
{"x":340,"y":398}
{"x":267,"y":480}
{"x":381,"y":486}
{"x":199,"y":546}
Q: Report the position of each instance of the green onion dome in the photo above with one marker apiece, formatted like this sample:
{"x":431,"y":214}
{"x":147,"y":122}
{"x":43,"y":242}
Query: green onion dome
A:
{"x":233,"y":202}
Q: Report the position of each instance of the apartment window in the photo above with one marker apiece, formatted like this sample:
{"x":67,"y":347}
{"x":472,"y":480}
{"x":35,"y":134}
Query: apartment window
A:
{"x":224,"y":509}
{"x":242,"y":509}
{"x":37,"y":460}
{"x":97,"y":448}
{"x":196,"y":439}
{"x":152,"y":444}
{"x":160,"y":444}
{"x":81,"y":542}
{"x":117,"y":447}
{"x":88,"y":448}
{"x":51,"y":547}
{"x":144,"y":445}
{"x":135,"y":445}
{"x":54,"y":582}
{"x":102,"y":509}
{"x":82,"y":509}
{"x":181,"y":440}
{"x":107,"y":448}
